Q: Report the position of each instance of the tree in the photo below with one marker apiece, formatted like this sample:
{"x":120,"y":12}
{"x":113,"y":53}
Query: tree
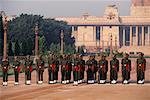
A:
{"x":17,"y":48}
{"x":30,"y":46}
{"x":10,"y":51}
{"x":24,"y":48}
{"x":42,"y":45}
{"x":1,"y":35}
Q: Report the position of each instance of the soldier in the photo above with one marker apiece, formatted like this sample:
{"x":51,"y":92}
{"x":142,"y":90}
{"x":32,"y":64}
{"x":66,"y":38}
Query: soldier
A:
{"x":28,"y":70}
{"x":56,"y":62}
{"x":40,"y":69}
{"x":103,"y":69}
{"x":5,"y":65}
{"x":82,"y":69}
{"x":68,"y":69}
{"x":114,"y":68}
{"x":126,"y":68}
{"x":16,"y":66}
{"x":95,"y":67}
{"x":64,"y":69}
{"x":75,"y":69}
{"x":141,"y":67}
{"x":90,"y":70}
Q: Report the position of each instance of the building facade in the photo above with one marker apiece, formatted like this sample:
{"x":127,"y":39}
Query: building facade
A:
{"x":123,"y":33}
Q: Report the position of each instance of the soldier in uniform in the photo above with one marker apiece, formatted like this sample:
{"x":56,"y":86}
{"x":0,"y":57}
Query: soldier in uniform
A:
{"x":95,"y":67}
{"x":68,"y":69}
{"x":126,"y":68}
{"x":141,"y":67}
{"x":28,"y":70}
{"x":16,"y":66}
{"x":5,"y":65}
{"x":114,"y":68}
{"x":40,"y":69}
{"x":90,"y":70}
{"x":103,"y":69}
{"x":76,"y":69}
{"x":64,"y":69}
{"x":82,"y":69}
{"x":56,"y":62}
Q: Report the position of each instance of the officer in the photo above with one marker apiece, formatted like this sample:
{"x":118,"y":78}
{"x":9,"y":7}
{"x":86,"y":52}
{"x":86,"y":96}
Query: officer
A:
{"x":103,"y":69}
{"x":56,"y":62}
{"x":5,"y":65}
{"x":40,"y":69}
{"x":68,"y":68}
{"x":141,"y":67}
{"x":126,"y":68}
{"x":114,"y":68}
{"x":95,"y":67}
{"x":90,"y":70}
{"x":82,"y":69}
{"x":16,"y":66}
{"x":28,"y":70}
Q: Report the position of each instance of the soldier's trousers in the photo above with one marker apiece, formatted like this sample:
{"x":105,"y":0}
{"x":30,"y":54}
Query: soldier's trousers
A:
{"x":63,"y":75}
{"x":51,"y":75}
{"x":102,"y":75}
{"x":90,"y":75}
{"x":94,"y":75}
{"x":125,"y":75}
{"x":5,"y":76}
{"x":16,"y":76}
{"x":40,"y":75}
{"x":28,"y":75}
{"x":75,"y":75}
{"x":140,"y":75}
{"x":68,"y":75}
{"x":113,"y":74}
{"x":56,"y":75}
{"x":82,"y":75}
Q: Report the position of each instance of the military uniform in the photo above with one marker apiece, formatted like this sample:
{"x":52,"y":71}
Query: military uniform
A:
{"x":90,"y":71}
{"x":76,"y":70}
{"x":81,"y":69}
{"x":16,"y":66}
{"x":28,"y":70}
{"x":64,"y":68}
{"x":141,"y":67}
{"x":126,"y":68}
{"x":40,"y":69}
{"x":68,"y":69}
{"x":56,"y":62}
{"x":103,"y":69}
{"x":95,"y":67}
{"x":5,"y":64}
{"x":114,"y":68}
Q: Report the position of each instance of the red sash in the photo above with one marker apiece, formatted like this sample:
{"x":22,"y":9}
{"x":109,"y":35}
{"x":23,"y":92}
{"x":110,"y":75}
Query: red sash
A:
{"x":76,"y":68}
{"x":5,"y":69}
{"x":127,"y":67}
{"x":67,"y":67}
{"x":30,"y":68}
{"x":103,"y":68}
{"x":17,"y":68}
{"x":141,"y":66}
{"x":53,"y":66}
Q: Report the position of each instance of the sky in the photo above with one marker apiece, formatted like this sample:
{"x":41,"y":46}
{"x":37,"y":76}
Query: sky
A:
{"x":58,"y":8}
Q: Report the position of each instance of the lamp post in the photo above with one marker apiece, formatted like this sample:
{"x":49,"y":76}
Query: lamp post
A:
{"x":62,"y":42}
{"x":5,"y":39}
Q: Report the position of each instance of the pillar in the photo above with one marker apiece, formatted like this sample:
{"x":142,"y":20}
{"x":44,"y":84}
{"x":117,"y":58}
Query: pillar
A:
{"x":131,"y":38}
{"x":36,"y":41}
{"x":124,"y":36}
{"x":136,"y":36}
{"x":143,"y":40}
{"x":5,"y":39}
{"x":149,"y":35}
{"x":62,"y":42}
{"x":111,"y":49}
{"x":101,"y":38}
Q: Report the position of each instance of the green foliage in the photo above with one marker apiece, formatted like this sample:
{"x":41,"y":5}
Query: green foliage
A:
{"x":10,"y":51}
{"x":42,"y":46}
{"x":17,"y":48}
{"x":81,"y":49}
{"x":22,"y":29}
{"x":55,"y":48}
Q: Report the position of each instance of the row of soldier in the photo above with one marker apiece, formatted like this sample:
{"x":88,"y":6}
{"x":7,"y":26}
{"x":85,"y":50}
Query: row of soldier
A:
{"x":78,"y":66}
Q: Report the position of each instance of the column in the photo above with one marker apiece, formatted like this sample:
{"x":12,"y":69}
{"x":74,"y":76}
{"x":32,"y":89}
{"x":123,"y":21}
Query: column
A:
{"x":143,"y":40}
{"x":136,"y":36}
{"x":62,"y":42}
{"x":101,"y":38}
{"x":131,"y":38}
{"x":124,"y":36}
{"x":36,"y":41}
{"x":5,"y":40}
